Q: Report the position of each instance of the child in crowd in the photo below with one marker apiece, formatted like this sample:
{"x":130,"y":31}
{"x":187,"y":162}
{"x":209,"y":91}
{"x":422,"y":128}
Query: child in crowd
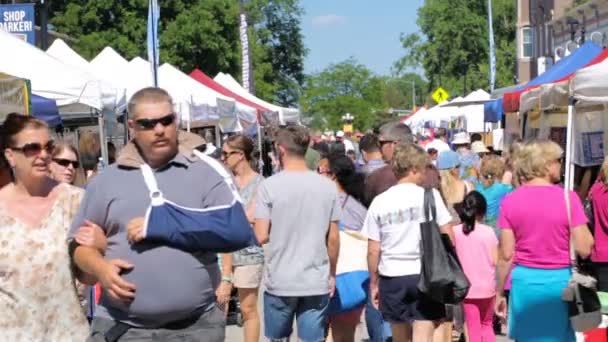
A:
{"x":477,"y":248}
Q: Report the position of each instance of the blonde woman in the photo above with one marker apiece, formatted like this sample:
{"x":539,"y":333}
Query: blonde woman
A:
{"x":535,"y":237}
{"x":453,"y":188}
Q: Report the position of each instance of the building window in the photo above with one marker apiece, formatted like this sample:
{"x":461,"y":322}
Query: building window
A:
{"x":527,"y":42}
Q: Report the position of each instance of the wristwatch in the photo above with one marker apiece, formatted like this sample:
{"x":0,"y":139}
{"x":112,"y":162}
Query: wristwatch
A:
{"x":227,"y":279}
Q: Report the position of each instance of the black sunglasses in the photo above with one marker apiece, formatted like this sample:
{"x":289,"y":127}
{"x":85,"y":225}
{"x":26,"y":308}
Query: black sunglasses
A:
{"x":147,"y":124}
{"x":32,"y":149}
{"x":66,"y":162}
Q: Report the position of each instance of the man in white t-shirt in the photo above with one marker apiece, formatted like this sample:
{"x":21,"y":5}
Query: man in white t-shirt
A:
{"x":439,"y":143}
{"x":392,"y":227}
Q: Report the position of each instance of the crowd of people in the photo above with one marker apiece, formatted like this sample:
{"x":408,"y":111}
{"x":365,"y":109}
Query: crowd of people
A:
{"x":333,"y":207}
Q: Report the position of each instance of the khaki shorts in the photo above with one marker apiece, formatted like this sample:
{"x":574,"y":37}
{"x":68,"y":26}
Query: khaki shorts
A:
{"x":248,"y":276}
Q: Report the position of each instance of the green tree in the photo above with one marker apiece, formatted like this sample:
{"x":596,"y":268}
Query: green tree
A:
{"x":453,"y":45}
{"x":346,"y":87}
{"x":278,"y":48}
{"x":399,"y":91}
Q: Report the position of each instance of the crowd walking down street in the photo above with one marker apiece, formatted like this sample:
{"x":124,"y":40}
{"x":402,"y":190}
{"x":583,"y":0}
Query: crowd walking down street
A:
{"x":169,"y":243}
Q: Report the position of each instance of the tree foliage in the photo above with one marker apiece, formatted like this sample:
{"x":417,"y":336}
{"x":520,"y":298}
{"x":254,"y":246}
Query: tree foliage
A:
{"x":453,"y":44}
{"x":346,"y":87}
{"x":196,"y":34}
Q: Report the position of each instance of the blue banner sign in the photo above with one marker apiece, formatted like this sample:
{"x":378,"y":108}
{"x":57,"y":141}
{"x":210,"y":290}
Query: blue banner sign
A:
{"x":19,"y":20}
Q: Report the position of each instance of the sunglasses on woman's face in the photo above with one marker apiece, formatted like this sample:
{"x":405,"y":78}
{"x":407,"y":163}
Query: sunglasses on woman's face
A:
{"x":147,"y":124}
{"x":67,"y":162}
{"x":34,"y":149}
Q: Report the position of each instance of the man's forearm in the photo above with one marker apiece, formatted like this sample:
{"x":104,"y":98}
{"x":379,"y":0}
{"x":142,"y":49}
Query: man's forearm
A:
{"x":88,"y":261}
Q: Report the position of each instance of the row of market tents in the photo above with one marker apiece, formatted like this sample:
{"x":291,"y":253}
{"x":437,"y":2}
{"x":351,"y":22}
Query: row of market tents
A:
{"x":63,"y":82}
{"x":568,"y":103}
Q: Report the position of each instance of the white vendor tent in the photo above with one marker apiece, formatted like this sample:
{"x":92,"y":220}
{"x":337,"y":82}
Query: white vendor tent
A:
{"x":50,"y":77}
{"x":205,"y":101}
{"x":590,"y":85}
{"x":113,"y":95}
{"x":286,"y":115}
{"x":471,"y":108}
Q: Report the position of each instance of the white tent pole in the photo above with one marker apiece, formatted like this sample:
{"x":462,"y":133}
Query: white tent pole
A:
{"x":188,"y":124}
{"x":102,"y":139}
{"x":568,"y":163}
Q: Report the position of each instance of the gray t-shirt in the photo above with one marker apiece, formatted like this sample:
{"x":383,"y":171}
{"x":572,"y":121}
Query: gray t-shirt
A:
{"x":300,"y":207}
{"x":171,"y":284}
{"x":353,"y":212}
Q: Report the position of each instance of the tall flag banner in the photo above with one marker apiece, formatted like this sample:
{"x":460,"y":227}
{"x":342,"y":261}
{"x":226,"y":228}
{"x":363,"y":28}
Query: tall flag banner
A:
{"x":153,"y":19}
{"x":492,"y":48}
{"x":245,"y":50}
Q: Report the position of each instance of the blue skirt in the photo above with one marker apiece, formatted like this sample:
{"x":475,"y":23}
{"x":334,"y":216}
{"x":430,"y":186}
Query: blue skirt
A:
{"x":536,"y":310}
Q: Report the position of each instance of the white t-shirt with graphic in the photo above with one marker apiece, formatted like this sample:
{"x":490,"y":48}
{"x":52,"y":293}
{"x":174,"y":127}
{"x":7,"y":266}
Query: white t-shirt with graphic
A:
{"x":394,"y":219}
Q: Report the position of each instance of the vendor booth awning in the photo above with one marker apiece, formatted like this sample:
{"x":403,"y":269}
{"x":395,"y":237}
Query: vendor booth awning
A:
{"x":554,"y":94}
{"x":286,"y":115}
{"x":201,"y":77}
{"x":590,"y":85}
{"x":569,"y":64}
{"x":49,"y":76}
{"x":14,"y":96}
{"x":46,"y":110}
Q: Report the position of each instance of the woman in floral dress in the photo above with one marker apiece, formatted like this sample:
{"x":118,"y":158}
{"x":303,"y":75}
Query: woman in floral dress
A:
{"x":38,"y":298}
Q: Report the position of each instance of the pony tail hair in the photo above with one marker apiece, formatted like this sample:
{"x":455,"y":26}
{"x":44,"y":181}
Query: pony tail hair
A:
{"x":473,"y":207}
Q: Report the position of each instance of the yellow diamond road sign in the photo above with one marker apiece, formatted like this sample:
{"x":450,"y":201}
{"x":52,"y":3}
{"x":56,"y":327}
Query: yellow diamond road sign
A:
{"x":440,"y":95}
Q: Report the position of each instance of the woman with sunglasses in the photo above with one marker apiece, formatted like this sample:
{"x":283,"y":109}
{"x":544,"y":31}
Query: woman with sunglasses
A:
{"x":37,"y":294}
{"x":243,"y":268}
{"x":64,"y":163}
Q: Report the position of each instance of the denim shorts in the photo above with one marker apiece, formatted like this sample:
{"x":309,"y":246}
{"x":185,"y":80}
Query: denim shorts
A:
{"x":310,"y":313}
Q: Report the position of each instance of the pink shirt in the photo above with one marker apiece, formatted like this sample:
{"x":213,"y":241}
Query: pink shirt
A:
{"x":599,"y":196}
{"x":538,"y":218}
{"x":476,"y":254}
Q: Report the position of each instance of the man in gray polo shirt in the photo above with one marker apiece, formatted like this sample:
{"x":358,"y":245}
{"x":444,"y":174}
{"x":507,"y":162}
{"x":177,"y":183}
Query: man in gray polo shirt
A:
{"x":150,"y":290}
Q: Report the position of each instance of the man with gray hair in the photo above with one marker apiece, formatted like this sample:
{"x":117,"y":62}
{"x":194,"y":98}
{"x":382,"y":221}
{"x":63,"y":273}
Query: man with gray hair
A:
{"x":380,"y":180}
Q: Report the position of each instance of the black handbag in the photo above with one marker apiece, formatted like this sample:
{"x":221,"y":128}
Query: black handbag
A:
{"x":441,"y":275}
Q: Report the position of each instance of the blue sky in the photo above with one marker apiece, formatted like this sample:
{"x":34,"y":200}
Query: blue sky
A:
{"x":368,"y":30}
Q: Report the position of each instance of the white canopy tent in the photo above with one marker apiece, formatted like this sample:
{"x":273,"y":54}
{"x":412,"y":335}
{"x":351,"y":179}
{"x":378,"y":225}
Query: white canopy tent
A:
{"x":50,"y":77}
{"x":113,"y":95}
{"x":590,"y":85}
{"x":471,"y":108}
{"x":286,"y":115}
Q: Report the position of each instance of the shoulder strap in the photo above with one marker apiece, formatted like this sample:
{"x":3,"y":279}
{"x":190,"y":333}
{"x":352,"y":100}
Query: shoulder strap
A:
{"x":155,"y":194}
{"x":219,"y":168}
{"x":569,"y":214}
{"x":430,"y":212}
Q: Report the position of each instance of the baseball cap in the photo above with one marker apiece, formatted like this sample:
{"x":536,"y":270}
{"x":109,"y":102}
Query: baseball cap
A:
{"x":448,"y":160}
{"x":479,"y":147}
{"x":340,"y":134}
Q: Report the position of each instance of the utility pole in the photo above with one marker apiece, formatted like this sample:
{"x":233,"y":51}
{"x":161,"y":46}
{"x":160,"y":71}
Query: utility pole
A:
{"x":44,"y":18}
{"x":413,"y":95}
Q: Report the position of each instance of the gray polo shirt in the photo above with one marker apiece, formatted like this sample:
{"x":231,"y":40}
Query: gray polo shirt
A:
{"x":171,"y":284}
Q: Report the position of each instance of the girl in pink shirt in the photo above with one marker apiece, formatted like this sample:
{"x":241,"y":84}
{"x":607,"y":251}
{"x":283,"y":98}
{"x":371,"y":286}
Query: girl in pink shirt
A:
{"x":477,"y":248}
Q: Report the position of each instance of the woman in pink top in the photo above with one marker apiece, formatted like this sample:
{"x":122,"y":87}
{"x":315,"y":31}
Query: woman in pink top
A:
{"x":477,"y":248}
{"x":599,"y":197}
{"x":535,"y":237}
